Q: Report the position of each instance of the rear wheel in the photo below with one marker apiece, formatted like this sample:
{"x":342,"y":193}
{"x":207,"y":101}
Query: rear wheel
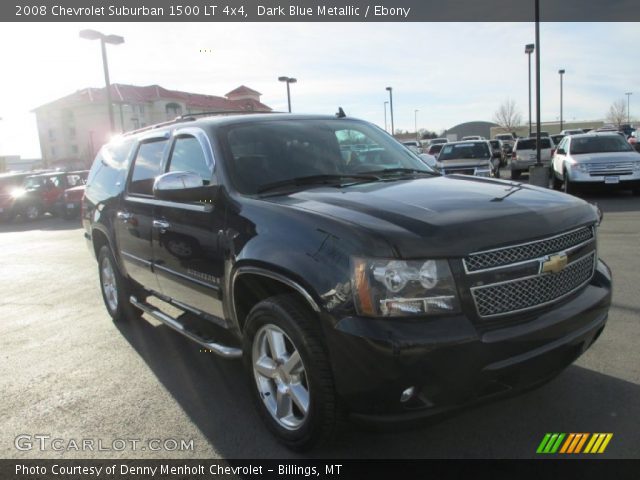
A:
{"x":115,"y":288}
{"x":289,"y":373}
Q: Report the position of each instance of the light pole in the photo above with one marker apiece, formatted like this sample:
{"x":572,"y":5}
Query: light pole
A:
{"x":385,"y":116}
{"x":528,"y":49}
{"x":415,"y":122}
{"x":628,"y":94}
{"x":104,"y":39}
{"x":288,"y":80}
{"x":390,"y":90}
{"x":561,"y":72}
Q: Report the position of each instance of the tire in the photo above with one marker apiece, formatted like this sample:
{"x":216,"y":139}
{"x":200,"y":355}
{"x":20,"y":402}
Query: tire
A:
{"x":115,"y":288}
{"x":515,"y":174}
{"x":567,"y":184}
{"x":636,"y":191}
{"x":286,"y":324}
{"x":556,"y":182}
{"x":32,"y":212}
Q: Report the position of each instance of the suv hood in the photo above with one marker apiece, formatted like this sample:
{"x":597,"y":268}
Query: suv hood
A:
{"x":606,"y":157}
{"x":446,"y":216}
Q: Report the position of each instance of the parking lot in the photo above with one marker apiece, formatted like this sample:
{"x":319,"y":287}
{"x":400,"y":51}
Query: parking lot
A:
{"x":69,"y":372}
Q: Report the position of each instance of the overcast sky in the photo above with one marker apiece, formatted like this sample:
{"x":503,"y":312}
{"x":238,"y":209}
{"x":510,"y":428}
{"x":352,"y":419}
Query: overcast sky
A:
{"x":450,"y":72}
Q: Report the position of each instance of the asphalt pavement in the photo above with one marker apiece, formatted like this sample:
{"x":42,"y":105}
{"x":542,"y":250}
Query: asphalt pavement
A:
{"x":68,"y":372}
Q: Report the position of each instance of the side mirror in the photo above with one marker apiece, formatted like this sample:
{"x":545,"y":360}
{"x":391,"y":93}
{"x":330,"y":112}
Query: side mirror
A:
{"x":183,"y":187}
{"x":560,"y":151}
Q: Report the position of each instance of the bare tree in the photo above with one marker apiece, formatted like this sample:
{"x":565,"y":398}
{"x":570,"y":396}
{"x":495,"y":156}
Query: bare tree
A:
{"x":617,"y":113}
{"x":508,"y":116}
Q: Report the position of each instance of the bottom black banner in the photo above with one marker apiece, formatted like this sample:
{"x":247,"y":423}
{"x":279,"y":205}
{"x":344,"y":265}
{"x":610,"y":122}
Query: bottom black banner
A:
{"x":333,"y":469}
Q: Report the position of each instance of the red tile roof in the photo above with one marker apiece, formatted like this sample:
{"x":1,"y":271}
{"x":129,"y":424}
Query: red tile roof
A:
{"x":242,"y":90}
{"x":121,"y":93}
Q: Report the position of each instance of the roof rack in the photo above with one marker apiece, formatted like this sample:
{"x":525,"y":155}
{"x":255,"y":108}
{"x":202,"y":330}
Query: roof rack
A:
{"x":187,"y":116}
{"x":190,"y":117}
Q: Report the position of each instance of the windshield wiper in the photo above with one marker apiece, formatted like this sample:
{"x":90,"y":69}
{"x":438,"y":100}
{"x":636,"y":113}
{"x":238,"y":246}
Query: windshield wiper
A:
{"x":334,"y":180}
{"x":386,"y":171}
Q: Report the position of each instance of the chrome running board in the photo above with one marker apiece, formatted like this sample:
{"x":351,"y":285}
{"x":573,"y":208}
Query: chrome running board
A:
{"x":222,"y":350}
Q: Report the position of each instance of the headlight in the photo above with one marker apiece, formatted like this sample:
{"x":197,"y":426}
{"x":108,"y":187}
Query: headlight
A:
{"x":18,"y":192}
{"x":398,"y":288}
{"x":636,"y":165}
{"x":580,"y":167}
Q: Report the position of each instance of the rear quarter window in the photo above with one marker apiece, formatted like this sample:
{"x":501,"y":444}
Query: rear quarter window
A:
{"x":108,"y":172}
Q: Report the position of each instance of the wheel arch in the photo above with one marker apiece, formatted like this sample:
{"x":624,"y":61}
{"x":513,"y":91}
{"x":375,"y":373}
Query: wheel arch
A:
{"x":252,"y":284}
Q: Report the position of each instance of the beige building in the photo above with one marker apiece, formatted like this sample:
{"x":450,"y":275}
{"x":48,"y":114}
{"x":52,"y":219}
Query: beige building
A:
{"x":73,"y":128}
{"x":552,"y":128}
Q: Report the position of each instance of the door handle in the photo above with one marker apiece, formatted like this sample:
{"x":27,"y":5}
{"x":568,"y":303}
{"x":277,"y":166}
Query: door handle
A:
{"x":124,"y":216}
{"x":162,"y":225}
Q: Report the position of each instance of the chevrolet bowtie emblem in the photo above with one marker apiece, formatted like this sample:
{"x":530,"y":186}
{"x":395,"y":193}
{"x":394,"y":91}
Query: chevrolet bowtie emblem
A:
{"x":554,"y":263}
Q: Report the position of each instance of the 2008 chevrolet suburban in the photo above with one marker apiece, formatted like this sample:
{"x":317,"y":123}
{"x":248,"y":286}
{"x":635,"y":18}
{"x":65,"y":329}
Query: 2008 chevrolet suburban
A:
{"x":351,"y":278}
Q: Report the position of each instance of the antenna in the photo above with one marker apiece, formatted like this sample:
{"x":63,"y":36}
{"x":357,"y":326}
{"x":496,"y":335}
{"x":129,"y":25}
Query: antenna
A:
{"x":340,"y":113}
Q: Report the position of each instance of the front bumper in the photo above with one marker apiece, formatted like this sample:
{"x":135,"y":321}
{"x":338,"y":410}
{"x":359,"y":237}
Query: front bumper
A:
{"x":612,"y":178}
{"x":451,"y":362}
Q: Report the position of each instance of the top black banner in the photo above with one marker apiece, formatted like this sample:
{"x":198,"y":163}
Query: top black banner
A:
{"x":318,"y":11}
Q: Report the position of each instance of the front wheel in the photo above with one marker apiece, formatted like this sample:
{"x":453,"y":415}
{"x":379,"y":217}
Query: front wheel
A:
{"x":567,"y":184}
{"x":115,"y":288}
{"x":289,"y":373}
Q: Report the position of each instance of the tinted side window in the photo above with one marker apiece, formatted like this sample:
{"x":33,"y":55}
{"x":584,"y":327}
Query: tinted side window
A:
{"x":187,"y":156}
{"x":146,"y":167}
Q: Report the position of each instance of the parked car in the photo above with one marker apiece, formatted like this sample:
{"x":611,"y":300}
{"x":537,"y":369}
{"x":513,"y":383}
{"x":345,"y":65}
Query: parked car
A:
{"x":71,"y":202}
{"x":596,"y":158}
{"x":414,"y":145}
{"x":466,"y":157}
{"x":366,"y":287}
{"x":633,"y":140}
{"x":473,"y":137}
{"x":542,"y":134}
{"x":499,"y":156}
{"x":10,"y":191}
{"x":525,"y":154}
{"x":572,"y":131}
{"x":435,"y":149}
{"x":44,"y":192}
{"x":507,"y":140}
{"x":557,"y":138}
{"x":437,"y":141}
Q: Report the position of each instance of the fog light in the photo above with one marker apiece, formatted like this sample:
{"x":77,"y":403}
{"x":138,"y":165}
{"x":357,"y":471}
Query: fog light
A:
{"x":407,"y":394}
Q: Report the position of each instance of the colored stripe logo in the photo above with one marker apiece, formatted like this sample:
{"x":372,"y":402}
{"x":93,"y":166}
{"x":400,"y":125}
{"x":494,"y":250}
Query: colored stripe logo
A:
{"x":574,"y":443}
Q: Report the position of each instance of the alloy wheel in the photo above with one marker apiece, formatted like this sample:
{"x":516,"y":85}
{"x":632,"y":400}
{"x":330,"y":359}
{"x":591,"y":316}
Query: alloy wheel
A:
{"x":280,"y":377}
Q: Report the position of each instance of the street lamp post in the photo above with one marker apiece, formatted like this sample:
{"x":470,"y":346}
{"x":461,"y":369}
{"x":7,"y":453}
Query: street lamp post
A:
{"x":528,"y":49}
{"x":390,"y":90}
{"x":561,"y":72}
{"x":415,"y":122}
{"x":288,"y":80}
{"x":628,"y":94}
{"x":104,"y":39}
{"x":386,"y":129}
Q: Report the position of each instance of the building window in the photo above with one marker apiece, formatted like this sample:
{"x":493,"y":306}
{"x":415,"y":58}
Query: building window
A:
{"x":136,"y":123}
{"x":141,"y":109}
{"x":52,"y":134}
{"x":74,"y":149}
{"x":173,"y":110}
{"x":53,"y":151}
{"x":72,"y":132}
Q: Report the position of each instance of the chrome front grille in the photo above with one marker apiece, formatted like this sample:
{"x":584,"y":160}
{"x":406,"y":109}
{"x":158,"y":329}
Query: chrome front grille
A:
{"x":610,"y":168}
{"x":535,"y":291}
{"x":500,"y":257}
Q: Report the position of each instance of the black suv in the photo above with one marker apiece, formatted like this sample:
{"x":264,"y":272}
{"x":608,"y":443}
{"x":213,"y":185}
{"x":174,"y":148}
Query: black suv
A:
{"x":352,"y":279}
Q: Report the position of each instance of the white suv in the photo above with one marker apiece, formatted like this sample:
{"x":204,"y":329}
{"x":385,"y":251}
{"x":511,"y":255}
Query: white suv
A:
{"x":593,"y":158}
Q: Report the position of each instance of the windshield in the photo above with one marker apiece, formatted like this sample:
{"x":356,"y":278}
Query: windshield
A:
{"x":272,"y":152}
{"x":504,"y":137}
{"x":495,"y":143}
{"x":467,"y":150}
{"x":599,"y":144}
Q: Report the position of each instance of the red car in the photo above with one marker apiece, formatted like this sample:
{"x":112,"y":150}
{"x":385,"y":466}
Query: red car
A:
{"x":45,"y":193}
{"x":71,"y":201}
{"x":10,"y":190}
